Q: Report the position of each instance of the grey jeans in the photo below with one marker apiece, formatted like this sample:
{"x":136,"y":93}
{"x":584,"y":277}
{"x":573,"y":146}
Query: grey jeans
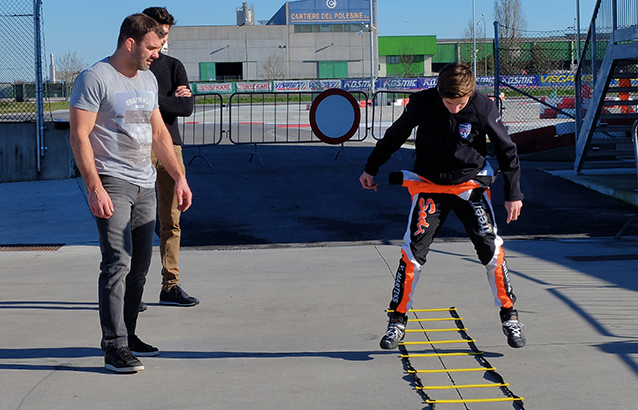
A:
{"x":126,"y":242}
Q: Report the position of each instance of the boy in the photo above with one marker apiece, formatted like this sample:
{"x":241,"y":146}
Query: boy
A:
{"x":451,"y":173}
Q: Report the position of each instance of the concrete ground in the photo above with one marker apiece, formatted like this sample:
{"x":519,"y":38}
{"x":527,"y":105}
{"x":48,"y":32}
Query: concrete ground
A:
{"x":292,"y":311}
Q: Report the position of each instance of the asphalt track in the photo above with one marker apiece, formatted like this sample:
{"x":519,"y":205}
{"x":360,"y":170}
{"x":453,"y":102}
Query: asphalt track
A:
{"x":303,"y":194}
{"x":293,"y":263}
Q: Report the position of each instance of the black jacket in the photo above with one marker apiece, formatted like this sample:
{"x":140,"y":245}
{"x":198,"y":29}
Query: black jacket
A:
{"x":451,"y":148}
{"x":170,"y":74}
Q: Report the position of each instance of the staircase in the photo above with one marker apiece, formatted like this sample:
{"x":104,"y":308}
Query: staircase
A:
{"x":605,"y":137}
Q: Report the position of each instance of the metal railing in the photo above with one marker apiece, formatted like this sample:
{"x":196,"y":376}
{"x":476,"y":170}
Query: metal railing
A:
{"x":387,"y":107}
{"x":204,"y":127}
{"x":277,"y":117}
{"x":608,"y":15}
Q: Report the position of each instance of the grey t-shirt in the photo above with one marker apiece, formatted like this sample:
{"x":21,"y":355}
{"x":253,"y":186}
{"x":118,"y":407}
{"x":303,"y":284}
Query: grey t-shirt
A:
{"x":122,"y":137}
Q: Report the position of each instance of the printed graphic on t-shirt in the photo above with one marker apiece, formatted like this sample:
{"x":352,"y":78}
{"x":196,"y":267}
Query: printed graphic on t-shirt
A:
{"x":133,"y":110}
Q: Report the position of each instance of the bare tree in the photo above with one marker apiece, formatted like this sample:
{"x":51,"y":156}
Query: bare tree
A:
{"x":408,"y":61}
{"x":509,"y":13}
{"x":274,"y":68}
{"x":512,"y":22}
{"x":69,"y":67}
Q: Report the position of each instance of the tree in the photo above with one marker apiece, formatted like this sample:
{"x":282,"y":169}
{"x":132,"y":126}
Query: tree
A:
{"x":69,"y":67}
{"x":274,"y":68}
{"x":409,"y":63}
{"x":512,"y":22}
{"x":510,"y":15}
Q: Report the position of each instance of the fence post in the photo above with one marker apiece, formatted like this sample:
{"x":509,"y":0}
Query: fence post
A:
{"x":39,"y":95}
{"x":496,"y":64}
{"x":578,"y":81}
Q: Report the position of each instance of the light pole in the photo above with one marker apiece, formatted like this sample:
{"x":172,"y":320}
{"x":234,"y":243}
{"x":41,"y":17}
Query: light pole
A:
{"x":360,"y":33}
{"x":484,"y":52}
{"x":371,"y":51}
{"x":474,"y":35}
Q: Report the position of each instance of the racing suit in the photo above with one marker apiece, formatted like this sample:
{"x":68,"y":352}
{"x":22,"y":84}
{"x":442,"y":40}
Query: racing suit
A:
{"x":451,"y":173}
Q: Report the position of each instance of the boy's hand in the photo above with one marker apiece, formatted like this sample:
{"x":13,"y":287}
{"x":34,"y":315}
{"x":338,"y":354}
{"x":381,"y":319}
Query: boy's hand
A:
{"x":367,"y":181}
{"x":513,"y":210}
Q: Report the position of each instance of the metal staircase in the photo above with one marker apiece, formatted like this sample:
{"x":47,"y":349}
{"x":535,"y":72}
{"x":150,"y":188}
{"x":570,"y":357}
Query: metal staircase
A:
{"x":608,"y":88}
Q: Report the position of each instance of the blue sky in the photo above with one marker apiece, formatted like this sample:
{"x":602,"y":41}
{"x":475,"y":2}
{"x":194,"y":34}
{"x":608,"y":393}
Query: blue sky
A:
{"x":91,"y":28}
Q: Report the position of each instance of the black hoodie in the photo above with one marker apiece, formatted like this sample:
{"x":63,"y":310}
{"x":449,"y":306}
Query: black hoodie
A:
{"x":451,"y":148}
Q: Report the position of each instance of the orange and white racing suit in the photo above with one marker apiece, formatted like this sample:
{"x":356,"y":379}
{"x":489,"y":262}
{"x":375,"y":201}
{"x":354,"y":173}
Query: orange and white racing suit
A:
{"x":431,"y":204}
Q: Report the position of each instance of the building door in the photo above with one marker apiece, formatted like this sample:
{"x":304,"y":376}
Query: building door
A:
{"x":332,"y":69}
{"x":207,"y":71}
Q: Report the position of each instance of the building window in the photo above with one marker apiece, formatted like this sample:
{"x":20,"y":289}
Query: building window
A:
{"x":392,"y":59}
{"x":303,"y":28}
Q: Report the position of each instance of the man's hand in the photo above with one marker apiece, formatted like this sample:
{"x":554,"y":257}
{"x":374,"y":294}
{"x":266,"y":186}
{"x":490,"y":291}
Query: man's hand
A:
{"x":184,"y":194}
{"x":182,"y":91}
{"x":100,"y":203}
{"x":513,"y":210}
{"x":367,"y":181}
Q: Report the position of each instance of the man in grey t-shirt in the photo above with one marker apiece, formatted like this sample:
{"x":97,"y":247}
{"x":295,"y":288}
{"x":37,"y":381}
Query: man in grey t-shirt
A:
{"x":115,"y":121}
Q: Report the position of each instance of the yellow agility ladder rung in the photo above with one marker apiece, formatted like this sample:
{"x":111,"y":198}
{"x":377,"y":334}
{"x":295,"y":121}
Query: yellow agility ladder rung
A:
{"x":426,"y":310}
{"x":462,"y":386}
{"x":442,"y":354}
{"x":475,"y":400}
{"x":456,"y":329}
{"x":437,"y":342}
{"x":473,"y":369}
{"x":441,"y":319}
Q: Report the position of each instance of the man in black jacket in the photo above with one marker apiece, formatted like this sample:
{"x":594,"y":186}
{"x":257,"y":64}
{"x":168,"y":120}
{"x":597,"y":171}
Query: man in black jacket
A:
{"x":175,"y":99}
{"x":451,"y":173}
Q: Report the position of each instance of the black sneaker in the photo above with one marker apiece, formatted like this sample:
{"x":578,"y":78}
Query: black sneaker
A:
{"x":143,"y":307}
{"x":395,"y":332}
{"x":139,"y":348}
{"x":513,"y":329}
{"x":121,"y":360}
{"x":177,"y":297}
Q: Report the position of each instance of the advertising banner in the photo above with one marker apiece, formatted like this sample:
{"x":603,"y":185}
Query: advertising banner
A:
{"x":210,"y":88}
{"x":357,"y":84}
{"x":253,"y":87}
{"x":321,"y":85}
{"x":520,"y":80}
{"x":289,"y":85}
{"x":399,"y":84}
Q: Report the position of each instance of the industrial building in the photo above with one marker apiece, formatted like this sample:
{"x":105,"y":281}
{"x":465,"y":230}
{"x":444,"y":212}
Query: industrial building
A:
{"x":305,"y":39}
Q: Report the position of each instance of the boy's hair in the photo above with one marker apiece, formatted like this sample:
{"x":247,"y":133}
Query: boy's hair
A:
{"x":136,"y":26}
{"x":456,"y":80}
{"x":161,"y":15}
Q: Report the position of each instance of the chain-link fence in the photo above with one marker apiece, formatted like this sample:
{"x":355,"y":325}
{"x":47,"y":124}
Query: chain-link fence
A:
{"x":20,"y":27}
{"x":536,"y":71}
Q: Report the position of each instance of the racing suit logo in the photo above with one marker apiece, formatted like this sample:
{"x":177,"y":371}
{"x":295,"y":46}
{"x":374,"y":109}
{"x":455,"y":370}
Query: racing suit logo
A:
{"x":465,"y":129}
{"x":425,"y":208}
{"x":485,"y":226}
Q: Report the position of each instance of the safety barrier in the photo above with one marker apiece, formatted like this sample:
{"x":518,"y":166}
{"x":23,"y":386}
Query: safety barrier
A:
{"x":277,"y":117}
{"x":204,"y":126}
{"x":451,"y":356}
{"x":387,"y":106}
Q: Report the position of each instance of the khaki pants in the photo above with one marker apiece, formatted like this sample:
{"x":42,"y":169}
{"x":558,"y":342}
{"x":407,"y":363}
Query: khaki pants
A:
{"x":170,"y":231}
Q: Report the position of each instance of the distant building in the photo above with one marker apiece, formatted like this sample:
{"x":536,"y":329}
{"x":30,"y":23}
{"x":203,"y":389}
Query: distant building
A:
{"x":304,"y":39}
{"x":325,"y":39}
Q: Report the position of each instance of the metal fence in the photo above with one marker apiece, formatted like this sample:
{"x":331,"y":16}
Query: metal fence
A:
{"x":21,"y":61}
{"x":257,"y":118}
{"x":282,"y":117}
{"x":544,"y":63}
{"x":387,"y":107}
